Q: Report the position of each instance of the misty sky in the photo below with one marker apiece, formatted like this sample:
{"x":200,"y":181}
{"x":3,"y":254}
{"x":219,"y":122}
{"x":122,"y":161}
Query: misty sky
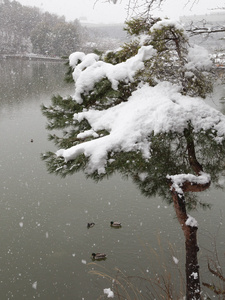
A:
{"x":116,"y":13}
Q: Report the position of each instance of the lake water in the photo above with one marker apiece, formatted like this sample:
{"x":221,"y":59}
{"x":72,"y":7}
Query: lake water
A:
{"x":46,"y":247}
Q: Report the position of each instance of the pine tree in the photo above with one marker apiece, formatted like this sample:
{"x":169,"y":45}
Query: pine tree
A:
{"x":163,"y":162}
{"x":170,"y":62}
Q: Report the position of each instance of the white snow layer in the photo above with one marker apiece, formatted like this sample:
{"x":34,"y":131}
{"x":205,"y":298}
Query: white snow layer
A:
{"x":167,"y":22}
{"x":90,"y":70}
{"x":149,"y":110}
{"x":198,"y":57}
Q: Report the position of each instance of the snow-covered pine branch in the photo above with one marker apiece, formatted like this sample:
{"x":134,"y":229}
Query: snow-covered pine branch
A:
{"x":125,"y":99}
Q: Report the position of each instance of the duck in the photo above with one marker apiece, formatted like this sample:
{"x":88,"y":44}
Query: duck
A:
{"x":115,"y":224}
{"x":90,"y":225}
{"x":98,"y":256}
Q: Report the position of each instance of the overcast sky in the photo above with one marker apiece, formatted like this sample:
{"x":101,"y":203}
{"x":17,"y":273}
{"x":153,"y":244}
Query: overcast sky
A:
{"x":116,"y":13}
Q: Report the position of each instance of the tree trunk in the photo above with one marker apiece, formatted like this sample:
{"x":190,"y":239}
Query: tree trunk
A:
{"x":193,"y":287}
{"x":190,"y":233}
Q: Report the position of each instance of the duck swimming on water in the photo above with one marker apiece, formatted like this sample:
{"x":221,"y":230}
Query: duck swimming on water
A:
{"x":90,"y":225}
{"x":99,"y":256}
{"x":115,"y":224}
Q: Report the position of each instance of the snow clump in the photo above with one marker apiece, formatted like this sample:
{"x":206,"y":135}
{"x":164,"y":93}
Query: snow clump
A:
{"x":191,"y":222}
{"x":109,"y":293}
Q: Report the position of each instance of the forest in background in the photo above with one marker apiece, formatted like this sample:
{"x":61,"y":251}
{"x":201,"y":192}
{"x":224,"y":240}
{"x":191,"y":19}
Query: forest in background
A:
{"x":25,"y":29}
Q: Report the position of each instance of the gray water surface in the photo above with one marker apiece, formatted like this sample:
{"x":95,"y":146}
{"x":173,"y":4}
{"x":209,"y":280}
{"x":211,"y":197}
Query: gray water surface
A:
{"x":46,"y":247}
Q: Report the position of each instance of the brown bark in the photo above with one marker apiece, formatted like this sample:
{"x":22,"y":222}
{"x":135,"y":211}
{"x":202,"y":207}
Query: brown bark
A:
{"x":193,"y":287}
{"x":195,"y":165}
{"x":190,"y":234}
{"x":188,"y":186}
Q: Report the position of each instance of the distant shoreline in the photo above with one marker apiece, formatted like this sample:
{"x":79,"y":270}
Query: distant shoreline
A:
{"x":31,"y":57}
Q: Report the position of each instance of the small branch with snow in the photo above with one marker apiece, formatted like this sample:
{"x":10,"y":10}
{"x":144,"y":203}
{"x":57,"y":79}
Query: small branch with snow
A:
{"x":189,"y":183}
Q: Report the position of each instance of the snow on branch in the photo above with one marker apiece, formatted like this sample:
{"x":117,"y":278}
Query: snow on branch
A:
{"x":149,"y":110}
{"x":155,"y":104}
{"x":167,"y":22}
{"x":179,"y":180}
{"x":90,"y":71}
{"x":198,"y":57}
